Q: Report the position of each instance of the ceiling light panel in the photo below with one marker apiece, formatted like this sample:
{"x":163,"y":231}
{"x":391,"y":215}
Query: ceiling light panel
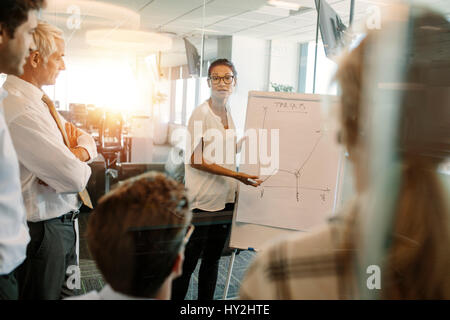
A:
{"x":305,"y":3}
{"x":230,"y":6}
{"x":283,"y":4}
{"x":280,"y":12}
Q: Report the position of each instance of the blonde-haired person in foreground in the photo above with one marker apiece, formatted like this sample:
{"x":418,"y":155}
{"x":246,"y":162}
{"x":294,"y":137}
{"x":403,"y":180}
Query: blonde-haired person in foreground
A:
{"x":53,"y":157}
{"x":320,"y":264}
{"x":137,"y":234}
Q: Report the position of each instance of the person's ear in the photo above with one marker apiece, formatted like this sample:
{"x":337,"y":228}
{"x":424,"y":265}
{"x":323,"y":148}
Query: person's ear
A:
{"x":209,"y":83}
{"x":34,"y":58}
{"x":177,"y":269}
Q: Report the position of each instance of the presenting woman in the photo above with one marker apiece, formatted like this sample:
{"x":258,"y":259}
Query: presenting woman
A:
{"x":211,"y":179}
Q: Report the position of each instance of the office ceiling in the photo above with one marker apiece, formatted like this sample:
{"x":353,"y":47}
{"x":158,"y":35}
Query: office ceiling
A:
{"x":187,"y":18}
{"x":252,"y":18}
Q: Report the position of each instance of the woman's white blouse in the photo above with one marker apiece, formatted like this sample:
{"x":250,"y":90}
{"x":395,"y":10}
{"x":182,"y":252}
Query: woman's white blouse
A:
{"x":210,"y":192}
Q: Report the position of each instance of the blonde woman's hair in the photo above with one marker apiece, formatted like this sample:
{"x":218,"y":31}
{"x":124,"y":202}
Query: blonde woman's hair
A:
{"x":45,"y":37}
{"x":418,"y":260}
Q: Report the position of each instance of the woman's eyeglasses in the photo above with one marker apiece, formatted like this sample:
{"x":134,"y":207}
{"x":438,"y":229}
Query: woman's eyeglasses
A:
{"x":227,"y":79}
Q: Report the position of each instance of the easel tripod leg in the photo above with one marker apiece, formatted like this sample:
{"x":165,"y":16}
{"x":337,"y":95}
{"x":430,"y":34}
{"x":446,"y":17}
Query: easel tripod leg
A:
{"x":230,"y":270}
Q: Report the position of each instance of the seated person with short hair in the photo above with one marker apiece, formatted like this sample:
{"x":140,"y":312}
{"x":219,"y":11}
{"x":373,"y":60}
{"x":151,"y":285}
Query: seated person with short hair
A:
{"x":137,"y":236}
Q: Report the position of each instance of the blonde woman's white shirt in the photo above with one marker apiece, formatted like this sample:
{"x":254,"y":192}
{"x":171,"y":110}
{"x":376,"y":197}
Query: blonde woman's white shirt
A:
{"x":43,"y":155}
{"x":14,"y":236}
{"x":210,"y":192}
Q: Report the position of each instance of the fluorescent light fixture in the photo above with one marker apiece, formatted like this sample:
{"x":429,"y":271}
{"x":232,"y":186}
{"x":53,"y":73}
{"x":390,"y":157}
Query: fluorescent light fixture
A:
{"x":284,"y":4}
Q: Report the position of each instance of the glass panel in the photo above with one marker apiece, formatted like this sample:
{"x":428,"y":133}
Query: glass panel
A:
{"x":145,"y":62}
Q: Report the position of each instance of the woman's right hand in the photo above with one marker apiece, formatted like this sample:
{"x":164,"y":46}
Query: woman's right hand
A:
{"x":247,"y":179}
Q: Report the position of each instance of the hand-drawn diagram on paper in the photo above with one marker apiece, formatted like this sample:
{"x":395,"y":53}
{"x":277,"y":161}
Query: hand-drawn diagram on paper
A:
{"x":297,"y":172}
{"x":301,"y":191}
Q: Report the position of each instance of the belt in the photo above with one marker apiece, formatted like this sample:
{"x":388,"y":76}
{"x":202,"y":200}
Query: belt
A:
{"x":71,"y":216}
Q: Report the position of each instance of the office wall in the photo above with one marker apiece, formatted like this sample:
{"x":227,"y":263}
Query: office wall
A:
{"x":284,"y":63}
{"x":251,"y":58}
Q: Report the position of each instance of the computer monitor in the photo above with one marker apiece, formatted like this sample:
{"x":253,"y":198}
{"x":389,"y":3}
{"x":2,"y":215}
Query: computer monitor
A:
{"x":332,"y":29}
{"x":193,"y":58}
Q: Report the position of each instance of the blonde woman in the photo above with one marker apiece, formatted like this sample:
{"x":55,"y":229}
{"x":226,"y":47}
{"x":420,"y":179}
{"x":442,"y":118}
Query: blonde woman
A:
{"x":321,"y":264}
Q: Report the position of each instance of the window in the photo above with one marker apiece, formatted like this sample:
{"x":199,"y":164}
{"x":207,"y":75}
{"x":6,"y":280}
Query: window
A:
{"x":325,"y":71}
{"x":164,"y":107}
{"x":178,"y":101}
{"x":190,"y":97}
{"x":188,"y":94}
{"x":205,"y":91}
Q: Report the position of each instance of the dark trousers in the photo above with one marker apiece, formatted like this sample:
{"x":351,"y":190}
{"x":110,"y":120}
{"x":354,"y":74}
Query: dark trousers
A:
{"x":207,"y":242}
{"x":8,"y":287}
{"x":51,"y":251}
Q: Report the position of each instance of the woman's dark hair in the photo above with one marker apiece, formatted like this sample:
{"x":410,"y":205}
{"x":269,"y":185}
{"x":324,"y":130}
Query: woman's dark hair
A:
{"x":222,"y":62}
{"x":13,"y":13}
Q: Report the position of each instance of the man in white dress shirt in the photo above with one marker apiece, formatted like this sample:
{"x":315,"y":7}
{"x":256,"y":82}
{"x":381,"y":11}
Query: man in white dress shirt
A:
{"x":17,"y":24}
{"x":53,"y":169}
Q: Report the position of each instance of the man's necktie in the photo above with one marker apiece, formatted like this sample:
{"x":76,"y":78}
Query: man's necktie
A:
{"x":84,"y":195}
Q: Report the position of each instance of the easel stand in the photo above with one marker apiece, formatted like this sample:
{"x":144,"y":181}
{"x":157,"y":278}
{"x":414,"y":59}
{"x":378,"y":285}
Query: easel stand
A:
{"x":230,"y":270}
